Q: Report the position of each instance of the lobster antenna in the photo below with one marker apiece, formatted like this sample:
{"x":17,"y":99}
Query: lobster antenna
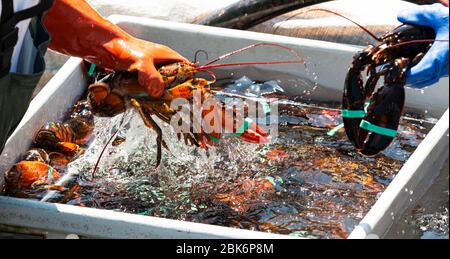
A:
{"x":252,"y":47}
{"x":251,"y":64}
{"x":212,"y":75}
{"x":198,"y":53}
{"x":335,"y":13}
{"x":413,"y":42}
{"x":106,"y":146}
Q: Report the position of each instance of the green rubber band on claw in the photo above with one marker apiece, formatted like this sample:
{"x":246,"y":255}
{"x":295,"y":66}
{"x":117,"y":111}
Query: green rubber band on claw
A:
{"x":356,"y":114}
{"x":350,"y":114}
{"x":333,"y":132}
{"x":247,"y":123}
{"x":215,"y":140}
{"x":366,"y":107}
{"x":353,"y":114}
{"x":50,"y":173}
{"x":266,"y":108}
{"x":377,"y":129}
{"x":92,"y":70}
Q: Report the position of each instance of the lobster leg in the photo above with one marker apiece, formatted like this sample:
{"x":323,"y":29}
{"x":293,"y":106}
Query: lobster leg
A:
{"x":160,"y":111}
{"x":150,"y":123}
{"x":191,"y":139}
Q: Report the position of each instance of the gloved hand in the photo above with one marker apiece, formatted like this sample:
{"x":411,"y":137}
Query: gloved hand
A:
{"x":78,"y":30}
{"x":435,"y":63}
{"x":143,"y":57}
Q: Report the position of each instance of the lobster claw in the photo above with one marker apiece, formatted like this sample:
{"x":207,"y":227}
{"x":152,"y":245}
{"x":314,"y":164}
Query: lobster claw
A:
{"x":249,"y":132}
{"x":373,"y":131}
{"x":104,"y":102}
{"x":379,"y":127}
{"x":255,"y":134}
{"x":353,"y":102}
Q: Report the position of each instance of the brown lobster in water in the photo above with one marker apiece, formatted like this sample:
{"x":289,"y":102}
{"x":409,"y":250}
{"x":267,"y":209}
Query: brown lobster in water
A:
{"x":32,"y":175}
{"x":67,"y":136}
{"x":109,"y":97}
{"x":57,"y":144}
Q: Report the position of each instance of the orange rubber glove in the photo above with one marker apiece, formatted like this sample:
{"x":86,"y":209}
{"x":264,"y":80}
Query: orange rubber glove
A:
{"x":78,"y":30}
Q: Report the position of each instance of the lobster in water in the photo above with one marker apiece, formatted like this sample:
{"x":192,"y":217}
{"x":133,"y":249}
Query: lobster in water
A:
{"x":31,"y":175}
{"x":67,"y":136}
{"x":110,"y":96}
{"x":56,"y":145}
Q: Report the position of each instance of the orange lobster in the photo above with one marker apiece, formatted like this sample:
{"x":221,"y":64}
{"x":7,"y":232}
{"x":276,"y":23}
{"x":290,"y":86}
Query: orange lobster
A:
{"x":110,"y":95}
{"x":31,"y":174}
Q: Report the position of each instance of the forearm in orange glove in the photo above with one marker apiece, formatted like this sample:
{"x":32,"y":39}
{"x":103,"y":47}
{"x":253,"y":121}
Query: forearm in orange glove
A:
{"x":78,"y":30}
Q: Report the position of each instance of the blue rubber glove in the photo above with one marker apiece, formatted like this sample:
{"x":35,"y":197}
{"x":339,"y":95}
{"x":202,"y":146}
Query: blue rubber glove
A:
{"x":435,"y":63}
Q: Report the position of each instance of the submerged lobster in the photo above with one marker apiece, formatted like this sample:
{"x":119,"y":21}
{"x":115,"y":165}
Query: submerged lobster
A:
{"x":110,"y":96}
{"x":56,"y":145}
{"x":372,"y":119}
{"x":67,"y":136}
{"x":32,"y":175}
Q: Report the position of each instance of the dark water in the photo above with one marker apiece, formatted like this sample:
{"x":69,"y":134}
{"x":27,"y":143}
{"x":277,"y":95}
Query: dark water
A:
{"x":305,"y":183}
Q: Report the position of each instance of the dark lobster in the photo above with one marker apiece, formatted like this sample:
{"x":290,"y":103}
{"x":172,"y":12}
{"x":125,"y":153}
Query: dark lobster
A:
{"x":373,"y":129}
{"x":371,"y":119}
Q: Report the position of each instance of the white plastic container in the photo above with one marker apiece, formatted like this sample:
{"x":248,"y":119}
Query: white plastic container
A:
{"x":328,"y":61}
